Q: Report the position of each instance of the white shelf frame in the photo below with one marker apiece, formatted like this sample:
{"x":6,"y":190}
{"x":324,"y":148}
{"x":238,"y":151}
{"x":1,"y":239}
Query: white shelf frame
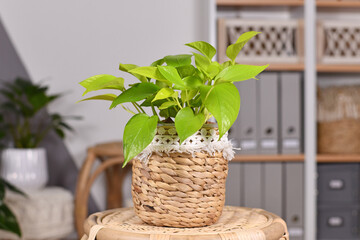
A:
{"x":310,"y":207}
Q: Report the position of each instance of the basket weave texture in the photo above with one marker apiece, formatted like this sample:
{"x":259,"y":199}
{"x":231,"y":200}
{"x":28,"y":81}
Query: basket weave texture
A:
{"x":339,"y":120}
{"x":179,"y":189}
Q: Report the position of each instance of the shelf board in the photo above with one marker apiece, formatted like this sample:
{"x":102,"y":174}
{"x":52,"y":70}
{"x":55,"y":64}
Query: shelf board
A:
{"x":269,"y":158}
{"x":321,"y":158}
{"x":260,"y":2}
{"x":322,"y":3}
{"x":338,"y":158}
{"x":338,"y":3}
{"x":285,"y":67}
{"x":338,"y":67}
{"x":333,"y":68}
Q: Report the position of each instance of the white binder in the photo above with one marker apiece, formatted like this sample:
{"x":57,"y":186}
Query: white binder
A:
{"x":268,"y":113}
{"x":291,"y":113}
{"x":247,"y":119}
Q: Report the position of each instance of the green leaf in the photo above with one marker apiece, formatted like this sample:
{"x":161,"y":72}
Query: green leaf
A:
{"x":205,"y":48}
{"x":103,"y":81}
{"x":192,"y":82}
{"x":166,"y":105}
{"x":108,"y":97}
{"x":223,"y":102}
{"x":2,"y":192}
{"x":171,"y":74}
{"x":12,"y":187}
{"x":202,"y":62}
{"x":150,"y":72}
{"x":213,"y":69}
{"x":186,"y":71}
{"x":239,"y":72}
{"x":138,"y":134}
{"x":128,"y":67}
{"x":158,"y":62}
{"x":187,"y":123}
{"x":8,"y":220}
{"x":188,"y":95}
{"x":164,"y":93}
{"x":178,"y":60}
{"x":234,"y":49}
{"x":136,"y":93}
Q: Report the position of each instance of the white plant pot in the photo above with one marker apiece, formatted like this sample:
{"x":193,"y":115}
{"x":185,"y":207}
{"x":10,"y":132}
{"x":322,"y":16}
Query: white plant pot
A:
{"x":25,"y":168}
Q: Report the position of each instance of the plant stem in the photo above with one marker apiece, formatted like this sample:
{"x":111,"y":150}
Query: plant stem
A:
{"x":140,"y":107}
{"x":136,"y":107}
{"x":178,"y":103}
{"x":126,"y":109}
{"x":153,"y":110}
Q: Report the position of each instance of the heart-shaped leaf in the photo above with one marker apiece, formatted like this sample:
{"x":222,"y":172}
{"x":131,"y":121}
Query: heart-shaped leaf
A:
{"x":138,"y":134}
{"x":136,"y":93}
{"x":187,"y":123}
{"x":170,"y":73}
{"x":108,"y":97}
{"x":205,"y":48}
{"x":164,"y":93}
{"x":102,"y":81}
{"x":239,"y":72}
{"x":150,"y":72}
{"x":178,"y":60}
{"x":128,"y":67}
{"x":234,"y":49}
{"x":166,"y":105}
{"x":222,"y":101}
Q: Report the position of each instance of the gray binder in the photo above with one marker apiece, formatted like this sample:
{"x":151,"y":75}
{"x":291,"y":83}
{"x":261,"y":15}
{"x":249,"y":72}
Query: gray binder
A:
{"x":233,"y":185}
{"x":273,"y":188}
{"x":294,"y":195}
{"x":247,"y":127}
{"x":291,"y":124}
{"x":268,"y":113}
{"x":252,"y":193}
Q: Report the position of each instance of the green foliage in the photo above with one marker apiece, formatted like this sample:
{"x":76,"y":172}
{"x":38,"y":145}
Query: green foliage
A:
{"x":8,"y":221}
{"x":179,"y":91}
{"x":24,"y":100}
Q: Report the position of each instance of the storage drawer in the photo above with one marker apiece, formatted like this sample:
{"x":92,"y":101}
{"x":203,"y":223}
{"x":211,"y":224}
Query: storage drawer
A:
{"x":338,"y":222}
{"x":338,"y":183}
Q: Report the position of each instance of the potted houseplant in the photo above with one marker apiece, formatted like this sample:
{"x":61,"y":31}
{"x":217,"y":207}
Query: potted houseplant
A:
{"x":180,"y":159}
{"x":23,"y":163}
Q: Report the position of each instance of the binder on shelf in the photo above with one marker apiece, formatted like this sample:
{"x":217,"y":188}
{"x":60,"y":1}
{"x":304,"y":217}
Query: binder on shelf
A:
{"x":294,"y":195}
{"x":233,"y":185}
{"x":247,"y":119}
{"x":291,"y":113}
{"x":268,"y":113}
{"x":273,"y":188}
{"x":252,"y":190}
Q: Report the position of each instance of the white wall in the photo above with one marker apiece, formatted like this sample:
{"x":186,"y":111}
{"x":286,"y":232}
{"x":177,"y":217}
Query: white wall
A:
{"x":63,"y":42}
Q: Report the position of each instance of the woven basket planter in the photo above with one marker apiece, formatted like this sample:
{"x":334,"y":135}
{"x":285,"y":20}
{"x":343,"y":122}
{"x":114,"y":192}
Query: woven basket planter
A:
{"x":339,"y":120}
{"x":179,"y":187}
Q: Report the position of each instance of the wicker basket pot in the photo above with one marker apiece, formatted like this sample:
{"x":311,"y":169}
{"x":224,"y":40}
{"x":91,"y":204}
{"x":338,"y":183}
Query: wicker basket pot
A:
{"x":180,"y":188}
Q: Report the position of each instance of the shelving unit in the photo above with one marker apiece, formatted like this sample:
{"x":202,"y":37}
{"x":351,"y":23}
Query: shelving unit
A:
{"x":320,"y":158}
{"x":321,"y":3}
{"x":310,"y":69}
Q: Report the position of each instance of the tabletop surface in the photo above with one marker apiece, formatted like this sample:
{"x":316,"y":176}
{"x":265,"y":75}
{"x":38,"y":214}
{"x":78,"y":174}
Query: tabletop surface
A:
{"x":235,"y":223}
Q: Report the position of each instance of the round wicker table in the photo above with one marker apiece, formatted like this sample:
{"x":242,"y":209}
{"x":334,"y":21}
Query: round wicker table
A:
{"x":235,"y":223}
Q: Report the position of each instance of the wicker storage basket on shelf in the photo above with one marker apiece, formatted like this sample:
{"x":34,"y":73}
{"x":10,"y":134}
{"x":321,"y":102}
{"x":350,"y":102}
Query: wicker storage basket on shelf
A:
{"x":339,"y":120}
{"x":181,"y":185}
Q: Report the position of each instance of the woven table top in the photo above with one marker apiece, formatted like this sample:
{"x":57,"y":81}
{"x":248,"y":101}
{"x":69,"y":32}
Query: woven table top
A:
{"x":235,"y":223}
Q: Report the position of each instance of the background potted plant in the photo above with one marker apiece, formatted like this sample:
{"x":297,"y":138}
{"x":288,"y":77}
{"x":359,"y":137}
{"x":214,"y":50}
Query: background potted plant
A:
{"x":179,"y":170}
{"x":23,"y":163}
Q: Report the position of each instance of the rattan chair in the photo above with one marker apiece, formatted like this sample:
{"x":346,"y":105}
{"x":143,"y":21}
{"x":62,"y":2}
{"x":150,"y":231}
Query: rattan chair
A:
{"x":111,"y":158}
